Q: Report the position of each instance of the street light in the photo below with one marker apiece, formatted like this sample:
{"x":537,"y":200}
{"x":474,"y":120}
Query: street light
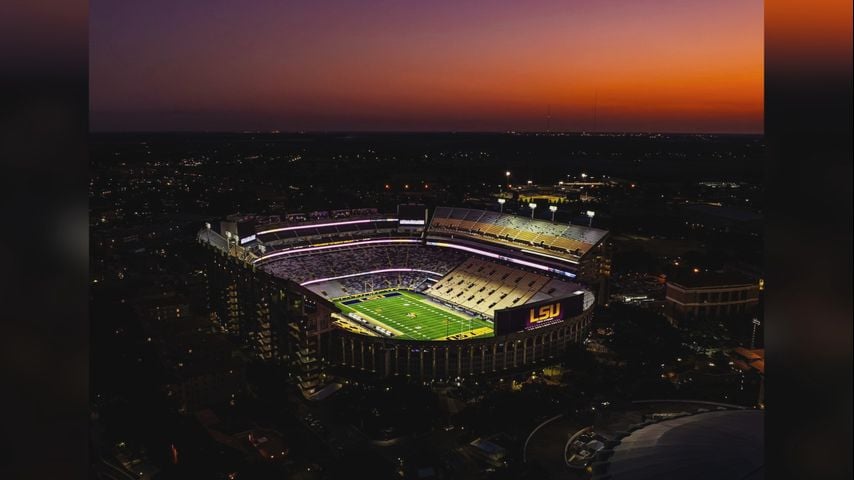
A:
{"x":553,"y":209}
{"x":591,"y":214}
{"x":502,"y":201}
{"x":532,"y":206}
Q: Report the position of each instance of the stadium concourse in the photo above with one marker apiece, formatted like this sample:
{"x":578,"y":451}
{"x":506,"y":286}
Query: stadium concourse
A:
{"x":464,"y":292}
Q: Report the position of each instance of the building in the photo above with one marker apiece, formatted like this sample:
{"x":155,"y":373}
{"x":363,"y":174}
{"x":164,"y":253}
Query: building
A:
{"x":488,"y":451}
{"x":276,"y":294}
{"x":705,"y":445}
{"x":710,"y":296}
{"x":273,"y":318}
{"x":252,"y":443}
{"x":203,"y":371}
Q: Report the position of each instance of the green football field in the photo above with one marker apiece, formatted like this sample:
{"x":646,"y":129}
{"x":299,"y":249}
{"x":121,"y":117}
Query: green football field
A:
{"x":411,"y":316}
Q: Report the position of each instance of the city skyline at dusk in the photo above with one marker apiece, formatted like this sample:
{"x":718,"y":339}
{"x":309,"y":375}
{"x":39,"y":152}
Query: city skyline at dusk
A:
{"x":671,"y":66}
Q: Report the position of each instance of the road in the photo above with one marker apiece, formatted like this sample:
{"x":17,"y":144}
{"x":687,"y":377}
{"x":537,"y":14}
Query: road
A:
{"x":547,"y":445}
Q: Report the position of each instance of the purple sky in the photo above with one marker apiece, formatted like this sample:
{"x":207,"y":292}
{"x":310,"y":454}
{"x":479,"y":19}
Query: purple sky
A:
{"x":662,"y":65}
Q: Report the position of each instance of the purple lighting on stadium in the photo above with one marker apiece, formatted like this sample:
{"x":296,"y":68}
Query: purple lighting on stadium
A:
{"x":502,"y":257}
{"x":318,"y":225}
{"x":337,"y":245}
{"x":385,"y":270}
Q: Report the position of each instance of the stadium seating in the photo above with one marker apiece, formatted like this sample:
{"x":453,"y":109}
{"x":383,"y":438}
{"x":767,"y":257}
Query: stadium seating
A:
{"x":371,"y":283}
{"x":485,"y":286}
{"x":474,"y":284}
{"x":569,"y":240}
{"x":347,"y":261}
{"x":307,"y":234}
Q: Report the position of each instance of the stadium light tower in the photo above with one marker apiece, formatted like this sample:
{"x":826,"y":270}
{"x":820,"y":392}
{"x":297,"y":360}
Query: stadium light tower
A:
{"x":553,"y":209}
{"x":501,"y":202}
{"x":532,"y":206}
{"x":756,"y":324}
{"x":228,"y":241}
{"x":590,"y":214}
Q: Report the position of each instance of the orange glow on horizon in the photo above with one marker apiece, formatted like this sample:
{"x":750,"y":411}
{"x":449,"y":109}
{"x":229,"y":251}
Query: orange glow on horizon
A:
{"x":610,"y":65}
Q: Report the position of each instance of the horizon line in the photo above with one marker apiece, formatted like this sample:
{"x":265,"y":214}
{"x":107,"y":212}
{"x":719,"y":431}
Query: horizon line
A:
{"x":421,"y":132}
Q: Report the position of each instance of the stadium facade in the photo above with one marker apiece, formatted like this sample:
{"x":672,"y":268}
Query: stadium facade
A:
{"x":483,"y":292}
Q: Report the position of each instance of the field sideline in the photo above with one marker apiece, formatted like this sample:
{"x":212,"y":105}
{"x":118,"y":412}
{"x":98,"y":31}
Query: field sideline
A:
{"x":411,"y":316}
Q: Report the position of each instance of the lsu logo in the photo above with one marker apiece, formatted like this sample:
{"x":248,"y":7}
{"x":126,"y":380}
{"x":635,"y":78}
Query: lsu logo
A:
{"x":546,"y":312}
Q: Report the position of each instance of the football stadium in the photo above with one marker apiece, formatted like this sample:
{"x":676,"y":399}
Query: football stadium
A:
{"x":435,"y":294}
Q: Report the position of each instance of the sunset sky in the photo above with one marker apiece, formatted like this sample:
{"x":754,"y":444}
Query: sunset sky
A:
{"x":607,"y":65}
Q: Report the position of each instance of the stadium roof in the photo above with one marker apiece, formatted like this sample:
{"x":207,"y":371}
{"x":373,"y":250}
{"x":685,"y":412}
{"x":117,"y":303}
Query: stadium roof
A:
{"x":710,"y":279}
{"x":704,"y":446}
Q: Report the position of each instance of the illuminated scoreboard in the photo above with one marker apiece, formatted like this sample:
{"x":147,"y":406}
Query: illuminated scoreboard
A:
{"x":538,"y":314}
